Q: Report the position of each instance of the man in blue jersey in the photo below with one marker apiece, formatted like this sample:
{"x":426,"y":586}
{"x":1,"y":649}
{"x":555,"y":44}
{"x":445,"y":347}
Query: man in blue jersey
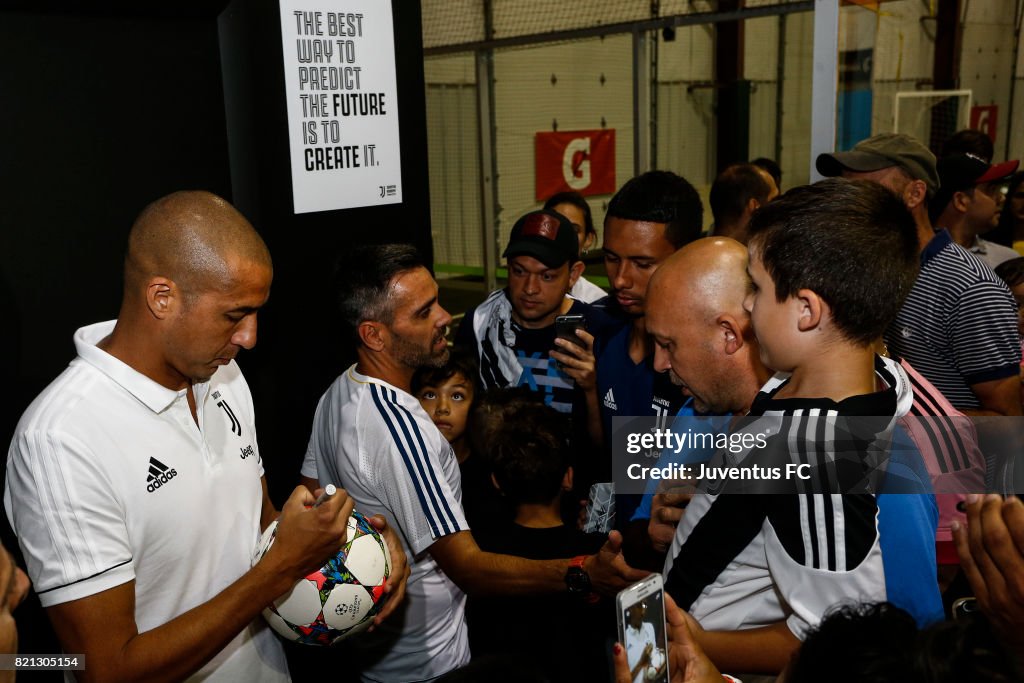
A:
{"x":647,"y":220}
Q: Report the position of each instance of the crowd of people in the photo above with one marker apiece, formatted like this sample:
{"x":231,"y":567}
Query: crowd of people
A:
{"x":849,"y":327}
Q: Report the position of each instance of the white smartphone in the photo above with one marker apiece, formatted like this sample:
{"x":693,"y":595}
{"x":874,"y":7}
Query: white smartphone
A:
{"x":641,"y":616}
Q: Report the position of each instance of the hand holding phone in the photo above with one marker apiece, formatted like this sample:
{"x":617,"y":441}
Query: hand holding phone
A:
{"x":575,"y":354}
{"x":566,"y":326}
{"x":641,"y":617}
{"x":688,"y":661}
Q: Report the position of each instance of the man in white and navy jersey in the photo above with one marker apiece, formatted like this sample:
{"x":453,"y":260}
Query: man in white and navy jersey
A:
{"x":371,"y":436}
{"x":135,"y":482}
{"x":958,"y":326}
{"x":758,"y":571}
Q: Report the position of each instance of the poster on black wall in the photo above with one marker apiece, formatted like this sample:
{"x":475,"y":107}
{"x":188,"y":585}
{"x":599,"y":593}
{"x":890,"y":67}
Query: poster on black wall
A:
{"x":339,"y":66}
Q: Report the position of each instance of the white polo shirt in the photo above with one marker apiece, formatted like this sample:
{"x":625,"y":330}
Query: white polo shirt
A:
{"x":376,"y":441}
{"x":109,"y":479}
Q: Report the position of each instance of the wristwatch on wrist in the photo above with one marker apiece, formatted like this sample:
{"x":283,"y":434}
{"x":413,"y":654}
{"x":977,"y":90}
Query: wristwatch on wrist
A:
{"x":577,"y":580}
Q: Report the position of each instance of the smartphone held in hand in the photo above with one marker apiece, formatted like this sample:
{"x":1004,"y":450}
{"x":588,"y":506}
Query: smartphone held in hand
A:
{"x":566,"y":326}
{"x":641,"y":617}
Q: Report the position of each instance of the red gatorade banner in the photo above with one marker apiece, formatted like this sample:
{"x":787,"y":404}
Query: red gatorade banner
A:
{"x":581,"y":160}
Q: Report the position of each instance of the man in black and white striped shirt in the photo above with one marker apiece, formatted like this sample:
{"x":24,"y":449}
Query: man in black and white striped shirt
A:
{"x":958,"y":326}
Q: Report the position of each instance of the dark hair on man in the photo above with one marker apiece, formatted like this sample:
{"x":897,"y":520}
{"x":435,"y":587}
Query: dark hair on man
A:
{"x":772,"y":167}
{"x":732,"y":191}
{"x":1011,"y":272}
{"x":363,"y":279}
{"x":969,"y":141}
{"x":852,"y":242}
{"x":661,"y":197}
{"x":460,"y":362}
{"x":530,"y":454}
{"x":577,"y":200}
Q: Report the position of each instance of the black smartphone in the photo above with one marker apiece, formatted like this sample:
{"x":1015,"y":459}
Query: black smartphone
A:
{"x":566,"y":326}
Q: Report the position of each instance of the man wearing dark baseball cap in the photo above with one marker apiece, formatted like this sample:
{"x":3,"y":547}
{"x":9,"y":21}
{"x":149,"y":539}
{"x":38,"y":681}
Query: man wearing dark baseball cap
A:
{"x":969,"y":202}
{"x":958,"y":325}
{"x":513,"y":331}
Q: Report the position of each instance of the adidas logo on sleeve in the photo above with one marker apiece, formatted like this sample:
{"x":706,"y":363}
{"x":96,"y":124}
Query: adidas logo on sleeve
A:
{"x":159,"y":474}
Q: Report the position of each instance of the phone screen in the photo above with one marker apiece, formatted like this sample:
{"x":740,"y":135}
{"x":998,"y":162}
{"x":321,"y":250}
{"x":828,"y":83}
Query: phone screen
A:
{"x":643,"y":633}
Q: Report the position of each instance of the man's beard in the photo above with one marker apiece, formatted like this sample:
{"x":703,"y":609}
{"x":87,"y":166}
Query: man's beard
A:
{"x":414,"y":356}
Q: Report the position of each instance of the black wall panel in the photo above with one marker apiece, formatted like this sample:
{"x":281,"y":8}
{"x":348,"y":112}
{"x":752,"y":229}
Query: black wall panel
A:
{"x":107,"y":106}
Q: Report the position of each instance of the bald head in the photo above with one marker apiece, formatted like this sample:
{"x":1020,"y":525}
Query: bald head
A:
{"x":706,"y":278}
{"x":701,"y":331}
{"x":195,"y":239}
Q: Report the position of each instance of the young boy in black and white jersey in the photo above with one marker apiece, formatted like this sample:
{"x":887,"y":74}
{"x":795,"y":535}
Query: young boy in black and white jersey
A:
{"x":830,"y":265}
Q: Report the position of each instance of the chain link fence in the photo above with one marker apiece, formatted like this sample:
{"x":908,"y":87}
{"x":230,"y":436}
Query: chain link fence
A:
{"x":499,"y":72}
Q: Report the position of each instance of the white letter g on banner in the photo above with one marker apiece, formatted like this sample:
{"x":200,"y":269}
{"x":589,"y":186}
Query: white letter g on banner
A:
{"x":576,"y":163}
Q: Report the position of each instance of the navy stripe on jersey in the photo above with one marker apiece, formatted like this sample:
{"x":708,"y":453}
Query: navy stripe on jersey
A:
{"x":435,"y":484}
{"x":958,"y":325}
{"x":84,"y":578}
{"x":414,"y":461}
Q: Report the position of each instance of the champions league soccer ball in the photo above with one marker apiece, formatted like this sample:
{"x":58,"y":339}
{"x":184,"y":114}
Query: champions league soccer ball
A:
{"x":341,"y":598}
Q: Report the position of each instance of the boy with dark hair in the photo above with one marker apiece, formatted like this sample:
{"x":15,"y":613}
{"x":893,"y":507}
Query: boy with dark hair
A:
{"x":565,"y":635}
{"x":449,"y":394}
{"x":830,"y":265}
{"x":847,"y":250}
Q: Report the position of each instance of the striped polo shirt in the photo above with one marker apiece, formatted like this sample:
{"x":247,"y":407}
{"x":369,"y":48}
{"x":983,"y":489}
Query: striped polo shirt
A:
{"x":376,"y":441}
{"x":958,"y":326}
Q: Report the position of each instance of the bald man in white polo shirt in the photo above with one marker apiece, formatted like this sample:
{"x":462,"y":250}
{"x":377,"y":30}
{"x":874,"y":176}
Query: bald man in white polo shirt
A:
{"x":135,"y":482}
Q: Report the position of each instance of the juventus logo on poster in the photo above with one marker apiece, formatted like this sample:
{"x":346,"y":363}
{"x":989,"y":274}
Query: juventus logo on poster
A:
{"x":236,"y":426}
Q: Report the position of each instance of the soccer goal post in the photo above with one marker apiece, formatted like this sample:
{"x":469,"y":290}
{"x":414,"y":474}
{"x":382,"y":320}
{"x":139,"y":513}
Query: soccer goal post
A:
{"x":931,"y":116}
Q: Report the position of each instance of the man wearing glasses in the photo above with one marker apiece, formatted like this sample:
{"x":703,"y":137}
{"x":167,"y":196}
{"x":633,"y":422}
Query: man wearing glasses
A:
{"x":970,"y":197}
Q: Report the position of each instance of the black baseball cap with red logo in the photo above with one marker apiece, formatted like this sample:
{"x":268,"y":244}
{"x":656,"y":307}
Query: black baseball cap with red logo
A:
{"x":547,"y":236}
{"x":961,"y":172}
